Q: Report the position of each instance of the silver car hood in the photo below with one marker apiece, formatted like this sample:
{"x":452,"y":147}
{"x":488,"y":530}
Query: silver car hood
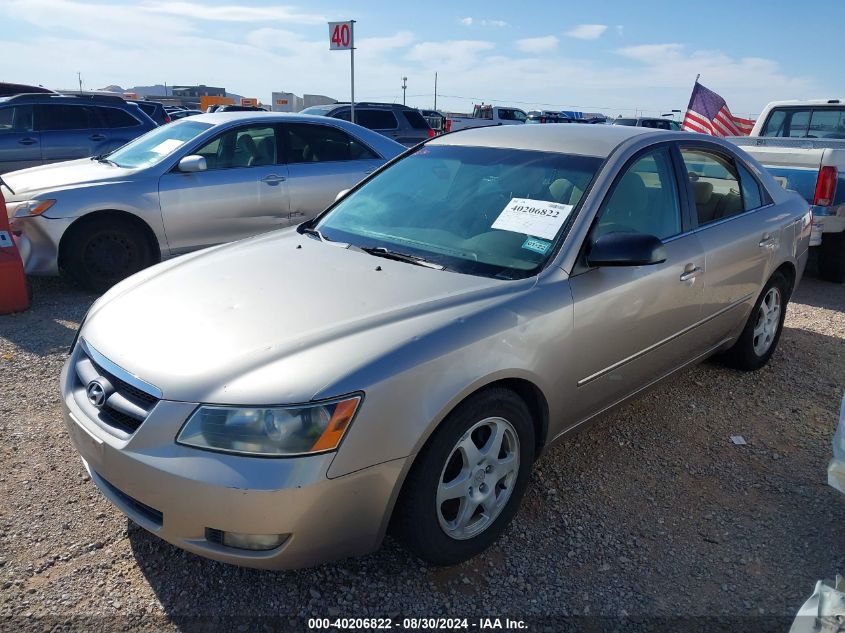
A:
{"x":272,"y":319}
{"x":84,"y":171}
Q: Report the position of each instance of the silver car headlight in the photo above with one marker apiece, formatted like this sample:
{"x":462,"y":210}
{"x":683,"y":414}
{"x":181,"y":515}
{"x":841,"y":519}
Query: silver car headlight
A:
{"x":280,"y":431}
{"x":28,"y":208}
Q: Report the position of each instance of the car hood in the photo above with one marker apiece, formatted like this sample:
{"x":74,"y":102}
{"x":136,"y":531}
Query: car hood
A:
{"x":27,"y":182}
{"x":208,"y":327}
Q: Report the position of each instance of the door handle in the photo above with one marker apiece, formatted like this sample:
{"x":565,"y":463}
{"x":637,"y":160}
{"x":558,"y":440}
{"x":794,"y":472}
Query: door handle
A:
{"x":97,"y":137}
{"x":27,"y":141}
{"x":767,"y":240}
{"x":273,"y":179}
{"x":690,"y":272}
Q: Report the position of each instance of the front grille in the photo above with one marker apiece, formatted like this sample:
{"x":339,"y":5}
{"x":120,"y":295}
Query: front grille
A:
{"x":149,"y":513}
{"x":125,"y":408}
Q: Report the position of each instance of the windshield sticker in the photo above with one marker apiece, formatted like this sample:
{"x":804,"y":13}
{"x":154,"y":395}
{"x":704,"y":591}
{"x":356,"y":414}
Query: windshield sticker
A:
{"x":165,"y":147}
{"x":538,"y":218}
{"x":538,"y":246}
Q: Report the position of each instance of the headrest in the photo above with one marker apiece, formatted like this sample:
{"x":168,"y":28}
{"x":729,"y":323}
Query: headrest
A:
{"x":703,"y":191}
{"x":564,"y":191}
{"x":246,"y":143}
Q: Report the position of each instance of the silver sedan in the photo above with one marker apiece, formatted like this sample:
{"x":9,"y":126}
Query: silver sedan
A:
{"x":201,"y":181}
{"x":453,"y":316}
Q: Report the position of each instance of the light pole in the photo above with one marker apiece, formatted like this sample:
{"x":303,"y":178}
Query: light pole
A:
{"x":404,"y":88}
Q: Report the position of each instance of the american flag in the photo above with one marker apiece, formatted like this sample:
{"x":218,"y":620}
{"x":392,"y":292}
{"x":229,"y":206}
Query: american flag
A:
{"x":708,"y":113}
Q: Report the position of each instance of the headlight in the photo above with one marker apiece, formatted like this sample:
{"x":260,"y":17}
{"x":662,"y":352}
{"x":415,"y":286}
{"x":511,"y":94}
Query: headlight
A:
{"x":295,"y":430}
{"x":28,"y":208}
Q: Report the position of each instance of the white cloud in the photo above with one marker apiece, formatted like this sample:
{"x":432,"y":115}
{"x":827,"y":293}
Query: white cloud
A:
{"x":232,"y":13}
{"x":468,"y":21}
{"x":537,"y":45}
{"x":587,"y":31}
{"x":454,"y":54}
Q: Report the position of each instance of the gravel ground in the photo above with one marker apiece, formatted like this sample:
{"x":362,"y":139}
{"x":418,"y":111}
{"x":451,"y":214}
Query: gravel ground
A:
{"x":651,"y":512}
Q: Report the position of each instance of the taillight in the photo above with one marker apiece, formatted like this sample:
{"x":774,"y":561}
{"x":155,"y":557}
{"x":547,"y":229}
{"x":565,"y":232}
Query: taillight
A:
{"x":448,"y":126}
{"x":431,"y":133}
{"x":167,"y":118}
{"x":826,"y":186}
{"x":542,"y":120}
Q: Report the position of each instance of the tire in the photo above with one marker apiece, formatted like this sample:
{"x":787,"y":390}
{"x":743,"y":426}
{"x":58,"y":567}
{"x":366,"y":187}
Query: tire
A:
{"x":439,"y":533}
{"x":832,"y":257}
{"x":101,"y":252}
{"x":762,"y":331}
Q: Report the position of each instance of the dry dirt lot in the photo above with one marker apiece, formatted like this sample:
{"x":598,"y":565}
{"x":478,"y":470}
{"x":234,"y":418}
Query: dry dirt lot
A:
{"x":652,"y":512}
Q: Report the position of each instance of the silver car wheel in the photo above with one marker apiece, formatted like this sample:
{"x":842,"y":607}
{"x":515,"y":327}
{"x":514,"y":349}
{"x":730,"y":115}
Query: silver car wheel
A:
{"x":478,"y":478}
{"x":768,"y":322}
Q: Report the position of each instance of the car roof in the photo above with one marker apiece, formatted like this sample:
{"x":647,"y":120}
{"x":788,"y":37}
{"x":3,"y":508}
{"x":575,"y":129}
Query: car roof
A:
{"x":807,"y":102}
{"x":586,"y":140}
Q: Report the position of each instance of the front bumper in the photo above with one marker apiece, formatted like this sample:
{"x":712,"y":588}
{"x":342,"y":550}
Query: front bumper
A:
{"x":38,"y":240}
{"x":179,"y":493}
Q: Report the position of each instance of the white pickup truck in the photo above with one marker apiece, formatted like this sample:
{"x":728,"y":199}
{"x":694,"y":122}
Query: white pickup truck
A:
{"x":802,"y":144}
{"x":484,"y":115}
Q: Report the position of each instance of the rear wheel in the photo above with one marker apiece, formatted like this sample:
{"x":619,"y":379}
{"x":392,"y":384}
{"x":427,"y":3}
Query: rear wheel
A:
{"x":468,"y":481}
{"x":761,"y":334}
{"x":102,"y":251}
{"x":832,"y":257}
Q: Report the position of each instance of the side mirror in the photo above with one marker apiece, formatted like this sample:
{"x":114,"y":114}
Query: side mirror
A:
{"x":626,"y":249}
{"x":340,"y":194}
{"x":193,"y":163}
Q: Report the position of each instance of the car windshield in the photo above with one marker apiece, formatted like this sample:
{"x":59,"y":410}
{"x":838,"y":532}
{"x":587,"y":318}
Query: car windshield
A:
{"x":155,"y":146}
{"x":474,"y":210}
{"x":625,"y":122}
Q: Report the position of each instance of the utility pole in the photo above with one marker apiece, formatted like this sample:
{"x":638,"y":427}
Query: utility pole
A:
{"x":435,"y":90}
{"x":79,"y":77}
{"x":404,"y":88}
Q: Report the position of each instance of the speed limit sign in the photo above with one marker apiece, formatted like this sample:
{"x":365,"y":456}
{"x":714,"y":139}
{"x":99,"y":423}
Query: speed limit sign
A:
{"x":340,"y":36}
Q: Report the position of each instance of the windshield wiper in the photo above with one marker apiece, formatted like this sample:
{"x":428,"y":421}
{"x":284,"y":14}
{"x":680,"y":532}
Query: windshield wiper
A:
{"x":101,"y":158}
{"x":315,"y":232}
{"x":380,"y":251}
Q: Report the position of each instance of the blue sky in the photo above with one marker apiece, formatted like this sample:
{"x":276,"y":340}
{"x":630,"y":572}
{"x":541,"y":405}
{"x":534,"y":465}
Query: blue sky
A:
{"x":617,"y":56}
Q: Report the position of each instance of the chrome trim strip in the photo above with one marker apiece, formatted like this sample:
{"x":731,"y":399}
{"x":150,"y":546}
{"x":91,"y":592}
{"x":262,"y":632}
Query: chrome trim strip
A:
{"x":637,"y":391}
{"x":118,"y":371}
{"x":650,"y":348}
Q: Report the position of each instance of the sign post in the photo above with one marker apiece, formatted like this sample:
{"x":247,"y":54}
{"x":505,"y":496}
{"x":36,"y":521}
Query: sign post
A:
{"x":342,"y":38}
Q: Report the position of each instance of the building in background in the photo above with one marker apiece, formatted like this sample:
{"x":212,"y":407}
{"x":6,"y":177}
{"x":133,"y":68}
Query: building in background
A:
{"x":198,"y":91}
{"x":289,"y":102}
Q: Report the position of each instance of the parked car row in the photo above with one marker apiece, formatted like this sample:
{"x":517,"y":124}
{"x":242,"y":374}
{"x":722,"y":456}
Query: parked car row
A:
{"x":400,"y":361}
{"x":197,"y":182}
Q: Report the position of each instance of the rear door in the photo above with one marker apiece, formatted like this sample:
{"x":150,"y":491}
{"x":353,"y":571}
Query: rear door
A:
{"x":322,"y":160}
{"x":114,"y":127}
{"x":634,"y":324}
{"x":739,"y":230}
{"x":243,"y":192}
{"x":20,"y":144}
{"x":68,"y":131}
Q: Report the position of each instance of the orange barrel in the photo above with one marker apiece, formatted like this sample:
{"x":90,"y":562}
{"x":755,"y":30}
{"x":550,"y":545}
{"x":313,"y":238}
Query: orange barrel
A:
{"x":14,"y":295}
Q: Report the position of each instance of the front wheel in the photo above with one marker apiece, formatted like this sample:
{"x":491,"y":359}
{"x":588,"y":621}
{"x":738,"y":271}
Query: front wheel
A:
{"x":761,"y":334}
{"x":466,"y":484}
{"x":101,"y":252}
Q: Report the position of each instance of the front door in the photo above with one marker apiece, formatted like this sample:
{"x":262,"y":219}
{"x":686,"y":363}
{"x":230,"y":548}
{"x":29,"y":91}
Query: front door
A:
{"x":243,"y":192}
{"x":67,"y":131}
{"x":20,"y":145}
{"x":633,"y":324}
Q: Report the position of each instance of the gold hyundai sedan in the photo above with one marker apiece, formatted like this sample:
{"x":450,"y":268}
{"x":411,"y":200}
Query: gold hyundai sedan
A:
{"x":401,"y":361}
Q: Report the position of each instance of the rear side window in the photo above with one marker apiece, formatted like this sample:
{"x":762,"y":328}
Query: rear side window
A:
{"x":376,"y":119}
{"x":752,"y":197}
{"x":148,"y":108}
{"x":312,"y":143}
{"x":58,"y":117}
{"x":116,"y":118}
{"x":16,"y":119}
{"x":415,"y":119}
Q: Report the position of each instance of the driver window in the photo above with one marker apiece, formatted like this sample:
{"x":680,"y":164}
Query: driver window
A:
{"x":643,"y":200}
{"x":241,"y":147}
